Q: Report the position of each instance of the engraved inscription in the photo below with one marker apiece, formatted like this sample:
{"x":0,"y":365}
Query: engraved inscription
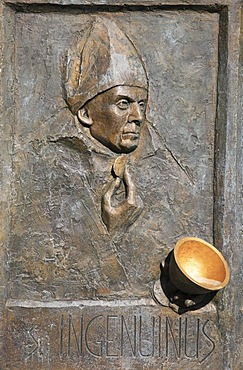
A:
{"x":113,"y":336}
{"x":32,"y":342}
{"x":149,"y":339}
{"x":111,"y":328}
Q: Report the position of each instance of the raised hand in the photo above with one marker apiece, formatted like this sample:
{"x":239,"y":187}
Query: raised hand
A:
{"x":121,"y":216}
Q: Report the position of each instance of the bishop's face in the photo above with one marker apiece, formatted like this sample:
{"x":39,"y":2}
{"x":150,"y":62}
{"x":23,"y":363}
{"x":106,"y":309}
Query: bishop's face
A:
{"x":116,"y":117}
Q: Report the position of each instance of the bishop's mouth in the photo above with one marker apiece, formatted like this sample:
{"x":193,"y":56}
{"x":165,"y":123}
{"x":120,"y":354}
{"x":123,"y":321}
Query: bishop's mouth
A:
{"x":132,"y":135}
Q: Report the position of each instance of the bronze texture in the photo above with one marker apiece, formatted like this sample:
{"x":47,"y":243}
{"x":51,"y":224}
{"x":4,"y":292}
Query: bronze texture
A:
{"x":121,"y":133}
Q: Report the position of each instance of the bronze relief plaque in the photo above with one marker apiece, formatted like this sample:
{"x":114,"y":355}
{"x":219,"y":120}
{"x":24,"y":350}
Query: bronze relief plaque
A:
{"x":113,"y":162}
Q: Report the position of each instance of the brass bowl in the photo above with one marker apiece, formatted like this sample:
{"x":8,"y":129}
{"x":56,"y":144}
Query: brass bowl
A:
{"x":197,"y":267}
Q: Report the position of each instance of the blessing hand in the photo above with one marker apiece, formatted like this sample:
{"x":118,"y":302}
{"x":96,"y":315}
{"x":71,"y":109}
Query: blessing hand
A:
{"x":123,"y":215}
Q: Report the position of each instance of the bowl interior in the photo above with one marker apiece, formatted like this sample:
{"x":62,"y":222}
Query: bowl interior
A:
{"x":202,"y":263}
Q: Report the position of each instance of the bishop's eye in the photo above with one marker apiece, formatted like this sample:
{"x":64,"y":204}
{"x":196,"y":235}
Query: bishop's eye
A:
{"x":123,"y":104}
{"x":142,"y":105}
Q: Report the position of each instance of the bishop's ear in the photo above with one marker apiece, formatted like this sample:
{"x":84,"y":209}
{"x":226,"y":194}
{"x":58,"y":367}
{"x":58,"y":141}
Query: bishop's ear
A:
{"x":84,"y":118}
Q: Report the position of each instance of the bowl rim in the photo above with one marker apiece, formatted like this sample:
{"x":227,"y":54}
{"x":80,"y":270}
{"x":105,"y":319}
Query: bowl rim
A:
{"x":203,"y":285}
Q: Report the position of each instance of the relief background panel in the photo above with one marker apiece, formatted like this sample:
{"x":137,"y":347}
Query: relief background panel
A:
{"x":57,"y":232}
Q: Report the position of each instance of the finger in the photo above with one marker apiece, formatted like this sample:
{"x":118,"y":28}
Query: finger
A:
{"x":130,"y":186}
{"x":111,"y":190}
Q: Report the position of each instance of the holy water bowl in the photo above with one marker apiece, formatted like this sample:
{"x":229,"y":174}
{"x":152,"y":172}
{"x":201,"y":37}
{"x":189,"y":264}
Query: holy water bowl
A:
{"x":197,"y":267}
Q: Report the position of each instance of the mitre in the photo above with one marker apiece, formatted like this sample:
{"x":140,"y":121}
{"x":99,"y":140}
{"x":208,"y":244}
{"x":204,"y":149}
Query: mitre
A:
{"x":104,"y":58}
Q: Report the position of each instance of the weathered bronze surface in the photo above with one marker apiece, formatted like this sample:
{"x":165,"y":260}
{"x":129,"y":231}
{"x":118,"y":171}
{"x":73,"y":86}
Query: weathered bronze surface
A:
{"x":120,"y":134}
{"x":66,"y":175}
{"x":122,"y":336}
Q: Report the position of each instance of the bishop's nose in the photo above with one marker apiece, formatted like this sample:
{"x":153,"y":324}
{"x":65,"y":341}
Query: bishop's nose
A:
{"x":135,"y":114}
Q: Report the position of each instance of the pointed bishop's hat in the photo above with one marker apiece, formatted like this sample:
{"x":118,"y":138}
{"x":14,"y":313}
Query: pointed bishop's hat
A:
{"x":104,"y":58}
